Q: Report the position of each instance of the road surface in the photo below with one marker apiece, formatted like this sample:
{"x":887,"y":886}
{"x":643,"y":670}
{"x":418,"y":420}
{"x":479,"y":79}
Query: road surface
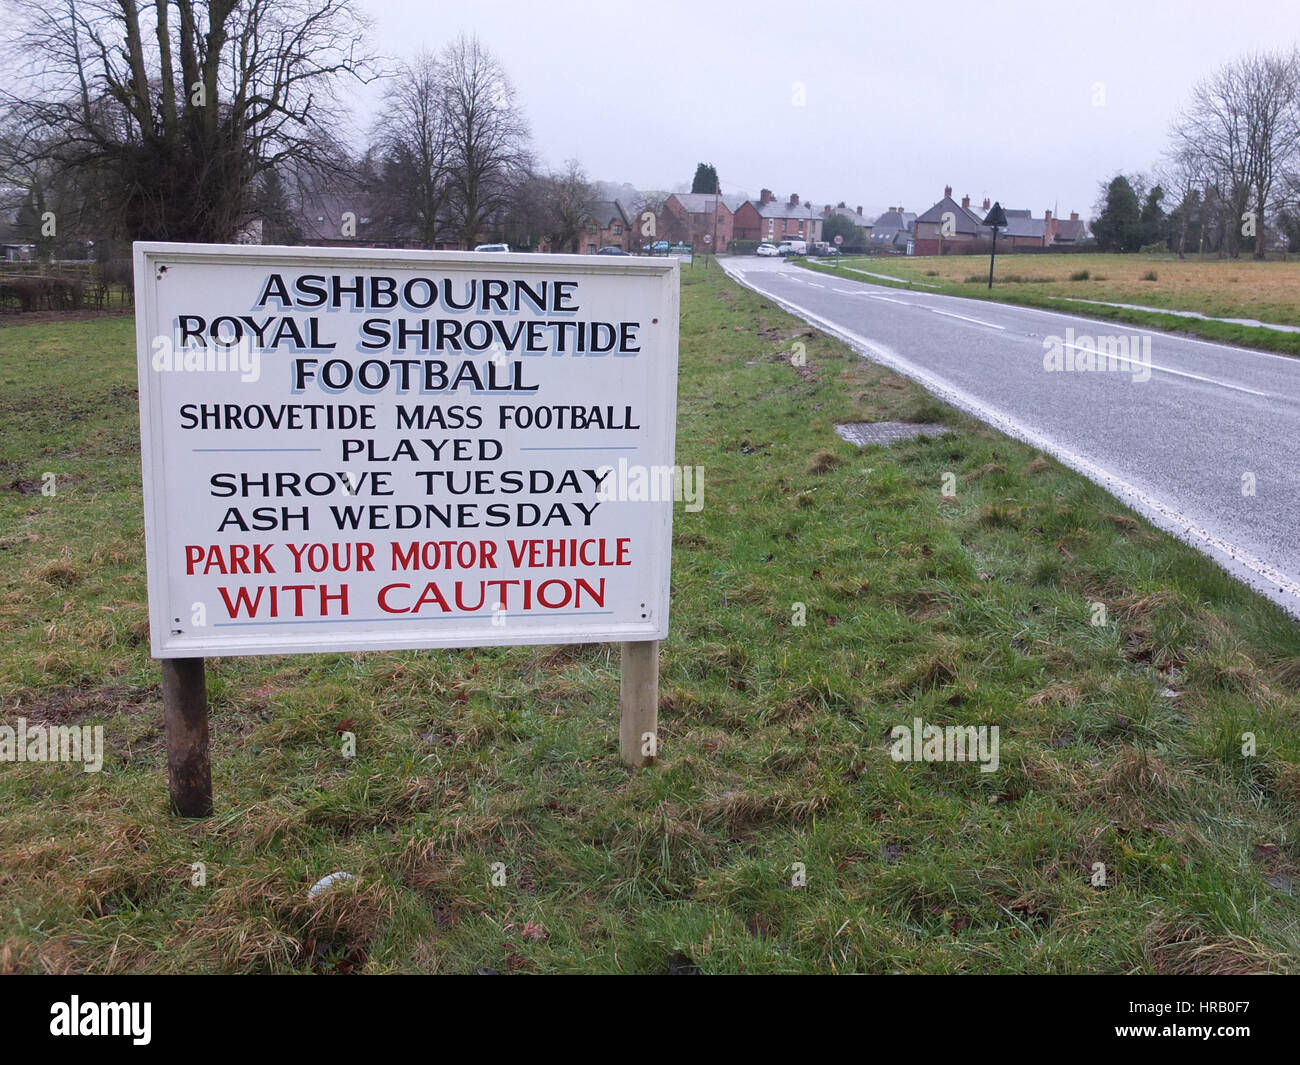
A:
{"x":1176,"y":446}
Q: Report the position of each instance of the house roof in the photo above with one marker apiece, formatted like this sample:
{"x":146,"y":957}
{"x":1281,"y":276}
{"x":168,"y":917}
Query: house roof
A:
{"x":965,"y":220}
{"x":785,"y":209}
{"x":1072,"y":229}
{"x":700,"y":202}
{"x":1020,"y":224}
{"x":891,"y":222}
{"x":861,"y":221}
{"x":607,"y":212}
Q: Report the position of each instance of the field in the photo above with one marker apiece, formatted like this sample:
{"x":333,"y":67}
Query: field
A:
{"x":1124,"y":830}
{"x":1266,"y":291}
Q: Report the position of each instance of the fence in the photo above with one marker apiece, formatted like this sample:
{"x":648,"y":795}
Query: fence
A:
{"x":26,"y":287}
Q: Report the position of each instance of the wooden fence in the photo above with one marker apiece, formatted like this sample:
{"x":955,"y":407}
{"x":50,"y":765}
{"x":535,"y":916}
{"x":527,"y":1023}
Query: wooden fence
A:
{"x":63,"y":286}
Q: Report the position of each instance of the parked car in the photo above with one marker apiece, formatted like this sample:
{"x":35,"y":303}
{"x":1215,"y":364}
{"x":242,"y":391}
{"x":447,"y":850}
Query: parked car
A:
{"x":659,"y":247}
{"x":491,"y":247}
{"x":793,"y":247}
{"x":612,"y":249}
{"x":766,"y":249}
{"x":824,"y":248}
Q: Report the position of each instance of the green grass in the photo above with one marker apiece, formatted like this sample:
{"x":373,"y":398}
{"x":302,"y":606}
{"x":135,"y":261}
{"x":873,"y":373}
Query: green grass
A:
{"x":1267,"y":291}
{"x":970,"y":609}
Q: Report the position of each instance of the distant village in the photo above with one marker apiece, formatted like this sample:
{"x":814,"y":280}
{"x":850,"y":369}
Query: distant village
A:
{"x":729,"y":225}
{"x":636,"y":222}
{"x":703,"y":221}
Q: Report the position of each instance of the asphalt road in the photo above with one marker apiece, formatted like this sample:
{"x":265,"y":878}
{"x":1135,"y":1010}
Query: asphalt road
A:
{"x":1175,"y":446}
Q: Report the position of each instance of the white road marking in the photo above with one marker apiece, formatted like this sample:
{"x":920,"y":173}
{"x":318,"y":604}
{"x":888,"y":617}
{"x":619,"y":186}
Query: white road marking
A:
{"x":1162,"y":369}
{"x":1226,"y":553}
{"x":1184,"y":373}
{"x":949,"y":314}
{"x":815,"y":285}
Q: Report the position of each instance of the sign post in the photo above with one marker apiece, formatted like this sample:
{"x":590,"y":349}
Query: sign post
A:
{"x":357,"y":450}
{"x":996,"y":217}
{"x":638,"y":731}
{"x":185,"y":722}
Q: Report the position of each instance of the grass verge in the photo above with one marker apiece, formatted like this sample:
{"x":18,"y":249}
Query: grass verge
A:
{"x":1121,"y":742}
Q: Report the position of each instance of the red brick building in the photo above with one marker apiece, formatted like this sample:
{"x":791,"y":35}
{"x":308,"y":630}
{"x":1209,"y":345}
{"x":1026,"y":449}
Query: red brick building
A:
{"x":950,"y":228}
{"x":689,"y":217}
{"x":606,"y":226}
{"x":766,"y":220}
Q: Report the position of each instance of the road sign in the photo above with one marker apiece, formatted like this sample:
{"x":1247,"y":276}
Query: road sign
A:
{"x":995,"y":218}
{"x":348,"y":449}
{"x":708,"y":238}
{"x":839,"y":239}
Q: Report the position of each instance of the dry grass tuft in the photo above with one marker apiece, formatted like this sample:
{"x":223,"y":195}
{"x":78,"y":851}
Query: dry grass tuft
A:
{"x":1181,"y":948}
{"x":823,"y":462}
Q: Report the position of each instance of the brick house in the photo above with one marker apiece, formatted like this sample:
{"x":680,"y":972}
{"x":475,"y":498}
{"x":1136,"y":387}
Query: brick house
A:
{"x":766,"y":220}
{"x":1072,"y":230}
{"x":892,"y":231}
{"x":606,"y":225}
{"x":862,"y":225}
{"x":689,"y":217}
{"x":949,"y":225}
{"x":1023,"y":230}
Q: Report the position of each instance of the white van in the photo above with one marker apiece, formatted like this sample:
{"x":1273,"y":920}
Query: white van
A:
{"x":793,"y":247}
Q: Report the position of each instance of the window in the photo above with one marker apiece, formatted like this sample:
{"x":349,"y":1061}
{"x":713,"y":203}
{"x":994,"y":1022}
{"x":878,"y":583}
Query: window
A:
{"x":618,"y":229}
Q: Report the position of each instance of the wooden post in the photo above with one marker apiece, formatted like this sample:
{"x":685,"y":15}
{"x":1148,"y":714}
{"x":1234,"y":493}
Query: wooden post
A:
{"x":185,"y":717}
{"x":638,"y":728}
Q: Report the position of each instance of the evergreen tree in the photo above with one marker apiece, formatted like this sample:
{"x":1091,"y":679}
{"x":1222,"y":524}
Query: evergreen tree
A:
{"x":706,"y":178}
{"x":1154,"y":224}
{"x":1119,"y":225}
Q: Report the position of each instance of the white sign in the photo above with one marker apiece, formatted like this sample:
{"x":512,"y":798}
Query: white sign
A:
{"x":350,"y":449}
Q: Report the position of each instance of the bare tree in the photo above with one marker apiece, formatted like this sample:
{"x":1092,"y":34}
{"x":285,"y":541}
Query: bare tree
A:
{"x":1182,"y":172}
{"x":570,"y":204}
{"x":415,"y":140}
{"x":1241,"y":127}
{"x":488,"y":135}
{"x":181,"y":104}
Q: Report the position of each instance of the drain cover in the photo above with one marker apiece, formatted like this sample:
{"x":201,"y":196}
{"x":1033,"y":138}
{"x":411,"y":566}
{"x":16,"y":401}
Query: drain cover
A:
{"x":865,"y":433}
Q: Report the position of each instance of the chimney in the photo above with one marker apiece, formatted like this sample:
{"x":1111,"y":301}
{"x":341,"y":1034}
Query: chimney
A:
{"x":947,"y":190}
{"x":765,"y":196}
{"x":1047,"y":215}
{"x":859,"y":208}
{"x":965,"y":201}
{"x":826,"y":211}
{"x":794,"y":199}
{"x":986,"y":204}
{"x":1074,"y":216}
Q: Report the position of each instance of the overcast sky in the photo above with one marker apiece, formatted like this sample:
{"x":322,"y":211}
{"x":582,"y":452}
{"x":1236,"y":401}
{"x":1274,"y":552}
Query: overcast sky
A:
{"x":898,"y":99}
